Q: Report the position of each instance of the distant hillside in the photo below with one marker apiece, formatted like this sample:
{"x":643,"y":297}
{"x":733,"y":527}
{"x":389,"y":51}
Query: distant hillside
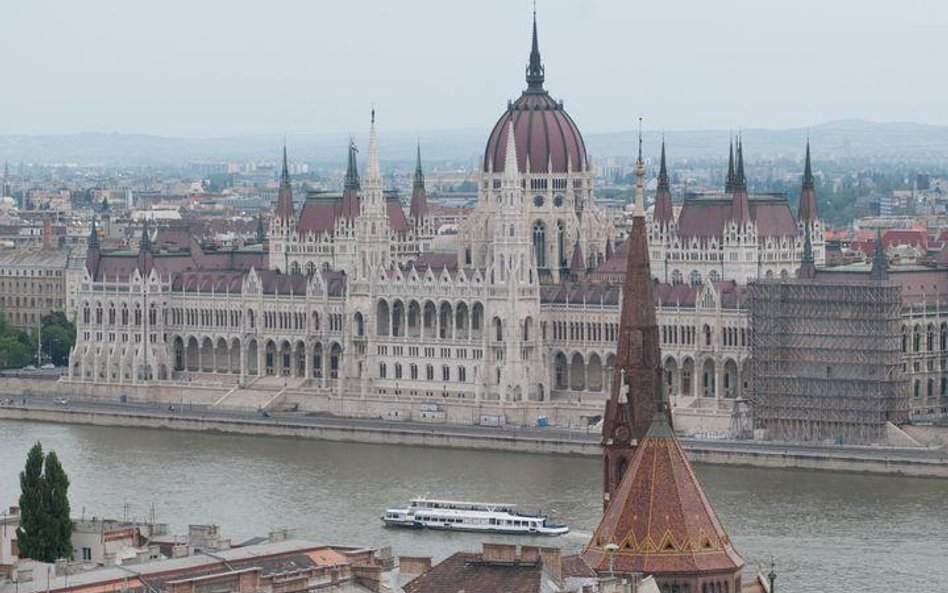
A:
{"x":889,"y":142}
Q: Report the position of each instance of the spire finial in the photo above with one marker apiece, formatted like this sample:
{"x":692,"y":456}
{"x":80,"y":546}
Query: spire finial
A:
{"x":662,"y":170}
{"x":535,"y":71}
{"x":640,"y":139}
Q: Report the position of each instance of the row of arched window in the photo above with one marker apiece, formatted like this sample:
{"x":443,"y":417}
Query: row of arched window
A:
{"x":460,"y":373}
{"x":928,"y":339}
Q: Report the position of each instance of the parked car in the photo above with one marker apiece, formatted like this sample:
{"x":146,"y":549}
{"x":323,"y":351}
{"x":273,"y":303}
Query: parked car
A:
{"x":29,"y":367}
{"x":62,"y":401}
{"x":48,"y":366}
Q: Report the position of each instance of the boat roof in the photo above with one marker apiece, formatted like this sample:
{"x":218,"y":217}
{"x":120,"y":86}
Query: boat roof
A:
{"x":460,"y":502}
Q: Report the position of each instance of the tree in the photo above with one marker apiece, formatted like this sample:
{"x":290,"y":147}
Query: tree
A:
{"x":30,"y":534}
{"x":59,"y":534}
{"x":45,"y":529}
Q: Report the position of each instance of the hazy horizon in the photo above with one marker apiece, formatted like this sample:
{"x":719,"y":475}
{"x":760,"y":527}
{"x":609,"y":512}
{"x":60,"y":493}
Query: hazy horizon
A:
{"x":219,"y":69}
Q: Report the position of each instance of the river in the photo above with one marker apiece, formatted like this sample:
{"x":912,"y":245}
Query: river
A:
{"x":828,"y":532}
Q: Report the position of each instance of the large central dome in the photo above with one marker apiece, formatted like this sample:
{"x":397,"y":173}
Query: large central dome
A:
{"x":545,"y":133}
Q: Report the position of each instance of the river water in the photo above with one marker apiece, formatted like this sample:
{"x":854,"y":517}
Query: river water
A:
{"x":828,"y":532}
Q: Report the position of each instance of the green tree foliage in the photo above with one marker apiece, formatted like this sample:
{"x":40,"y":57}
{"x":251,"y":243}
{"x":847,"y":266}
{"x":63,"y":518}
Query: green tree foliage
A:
{"x":45,"y":529}
{"x":31,"y":532}
{"x":57,"y":508}
{"x":59,"y":336}
{"x":16,"y":349}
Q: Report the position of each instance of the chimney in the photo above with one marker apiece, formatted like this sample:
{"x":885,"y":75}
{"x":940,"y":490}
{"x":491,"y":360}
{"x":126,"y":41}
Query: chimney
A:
{"x":414,"y":565}
{"x":47,"y":234}
{"x":499,"y":553}
{"x":552,"y":563}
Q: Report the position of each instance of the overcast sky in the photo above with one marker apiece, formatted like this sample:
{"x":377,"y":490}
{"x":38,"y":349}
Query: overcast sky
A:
{"x":203,"y":68}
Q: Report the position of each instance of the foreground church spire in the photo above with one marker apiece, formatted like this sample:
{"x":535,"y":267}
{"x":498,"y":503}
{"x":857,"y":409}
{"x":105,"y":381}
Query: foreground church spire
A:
{"x":632,"y":404}
{"x":729,"y":180}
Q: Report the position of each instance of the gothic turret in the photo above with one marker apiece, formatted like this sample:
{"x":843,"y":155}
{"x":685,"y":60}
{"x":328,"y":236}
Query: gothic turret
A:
{"x":284,"y":209}
{"x":806,"y":212}
{"x":577,"y":265}
{"x":352,"y":185}
{"x":418,"y":210}
{"x":663,"y":200}
{"x":740,"y":203}
{"x":632,"y":405}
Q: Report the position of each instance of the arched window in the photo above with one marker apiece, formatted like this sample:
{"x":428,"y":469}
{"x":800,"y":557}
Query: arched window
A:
{"x":383,"y":370}
{"x":539,"y":244}
{"x":561,"y":243}
{"x":462,"y":374}
{"x":676,"y":277}
{"x":695,"y":278}
{"x":499,"y":329}
{"x":398,"y":370}
{"x":916,"y":339}
{"x":445,"y":373}
{"x":930,"y":338}
{"x":429,"y":372}
{"x":413,"y":371}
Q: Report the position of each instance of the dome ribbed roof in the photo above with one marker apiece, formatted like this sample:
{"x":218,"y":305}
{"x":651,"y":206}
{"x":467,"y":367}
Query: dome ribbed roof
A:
{"x":545,"y":133}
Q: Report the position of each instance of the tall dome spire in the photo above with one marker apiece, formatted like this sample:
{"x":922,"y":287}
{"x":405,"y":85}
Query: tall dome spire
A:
{"x":548,"y":140}
{"x":535,"y":72}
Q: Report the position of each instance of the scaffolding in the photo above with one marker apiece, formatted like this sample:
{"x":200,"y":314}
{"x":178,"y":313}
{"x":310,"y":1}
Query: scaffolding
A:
{"x":826,"y":359}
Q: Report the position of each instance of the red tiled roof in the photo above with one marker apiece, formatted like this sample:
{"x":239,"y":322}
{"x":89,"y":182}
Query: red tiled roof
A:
{"x":897,"y":237}
{"x":659,"y":518}
{"x":706,"y":217}
{"x":465,"y":571}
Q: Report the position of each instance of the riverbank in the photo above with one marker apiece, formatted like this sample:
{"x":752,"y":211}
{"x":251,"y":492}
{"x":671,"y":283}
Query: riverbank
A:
{"x":891,"y":461}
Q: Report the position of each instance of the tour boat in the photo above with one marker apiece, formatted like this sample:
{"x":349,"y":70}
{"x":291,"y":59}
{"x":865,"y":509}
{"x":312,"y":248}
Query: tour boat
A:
{"x":478,"y":517}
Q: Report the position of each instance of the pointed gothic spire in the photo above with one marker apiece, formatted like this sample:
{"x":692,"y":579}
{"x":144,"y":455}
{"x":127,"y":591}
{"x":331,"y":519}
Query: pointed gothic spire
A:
{"x":577,"y":265}
{"x":373,"y":176}
{"x":729,"y":180}
{"x":632,"y":405}
{"x":739,"y":179}
{"x":535,"y":71}
{"x":145,"y":244}
{"x":663,"y":201}
{"x":740,"y":202}
{"x":284,"y":208}
{"x":352,"y":185}
{"x":807,"y":211}
{"x":511,"y":167}
{"x":418,"y":209}
{"x":261,"y":232}
{"x":93,"y":235}
{"x":352,"y":168}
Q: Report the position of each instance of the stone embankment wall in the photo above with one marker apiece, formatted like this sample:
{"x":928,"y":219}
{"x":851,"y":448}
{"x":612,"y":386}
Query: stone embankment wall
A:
{"x":556,"y":442}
